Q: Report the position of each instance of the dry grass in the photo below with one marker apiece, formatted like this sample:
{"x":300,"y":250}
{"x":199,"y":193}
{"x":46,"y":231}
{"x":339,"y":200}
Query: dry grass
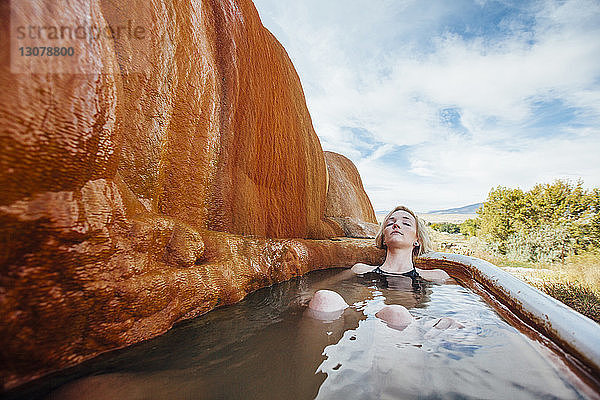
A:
{"x":577,"y":296}
{"x":456,"y":243}
{"x":583,"y":268}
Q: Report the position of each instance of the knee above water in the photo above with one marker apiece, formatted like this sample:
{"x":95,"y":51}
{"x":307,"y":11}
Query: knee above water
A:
{"x":327,"y":301}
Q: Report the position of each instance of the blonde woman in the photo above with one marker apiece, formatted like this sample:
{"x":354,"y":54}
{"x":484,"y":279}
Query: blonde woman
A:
{"x":404,"y":237}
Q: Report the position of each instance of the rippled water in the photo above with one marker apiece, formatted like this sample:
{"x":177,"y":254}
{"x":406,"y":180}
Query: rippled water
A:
{"x":267,"y":347}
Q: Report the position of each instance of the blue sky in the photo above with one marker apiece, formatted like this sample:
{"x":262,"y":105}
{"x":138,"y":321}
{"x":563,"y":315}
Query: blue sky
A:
{"x":436,"y":102}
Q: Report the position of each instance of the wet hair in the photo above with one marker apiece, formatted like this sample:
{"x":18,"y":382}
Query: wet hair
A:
{"x":422,"y":235}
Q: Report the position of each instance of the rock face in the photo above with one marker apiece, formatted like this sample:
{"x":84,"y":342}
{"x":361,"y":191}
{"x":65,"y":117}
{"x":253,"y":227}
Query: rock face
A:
{"x":126,"y":194}
{"x":347,"y":201}
{"x":217,"y":132}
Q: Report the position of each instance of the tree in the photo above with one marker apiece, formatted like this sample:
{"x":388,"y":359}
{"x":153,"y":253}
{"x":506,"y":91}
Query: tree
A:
{"x":561,"y":200}
{"x":503,"y":213}
{"x":548,"y":222}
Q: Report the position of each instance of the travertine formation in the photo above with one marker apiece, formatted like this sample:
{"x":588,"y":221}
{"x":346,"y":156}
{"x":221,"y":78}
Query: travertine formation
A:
{"x":137,"y":197}
{"x":347,"y":202}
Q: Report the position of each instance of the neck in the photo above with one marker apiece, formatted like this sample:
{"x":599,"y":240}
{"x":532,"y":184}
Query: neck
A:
{"x":398,"y":261}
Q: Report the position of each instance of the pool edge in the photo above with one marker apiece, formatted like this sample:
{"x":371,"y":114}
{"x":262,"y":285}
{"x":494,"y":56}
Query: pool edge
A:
{"x":571,"y":331}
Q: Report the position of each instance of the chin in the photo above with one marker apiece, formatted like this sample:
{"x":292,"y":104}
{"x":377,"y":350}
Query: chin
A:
{"x":399,"y":244}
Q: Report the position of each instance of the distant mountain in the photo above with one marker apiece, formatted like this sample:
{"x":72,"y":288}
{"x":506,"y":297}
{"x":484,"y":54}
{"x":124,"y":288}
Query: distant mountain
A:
{"x":470,"y":209}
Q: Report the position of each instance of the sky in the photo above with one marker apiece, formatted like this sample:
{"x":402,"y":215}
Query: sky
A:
{"x":438,"y":102}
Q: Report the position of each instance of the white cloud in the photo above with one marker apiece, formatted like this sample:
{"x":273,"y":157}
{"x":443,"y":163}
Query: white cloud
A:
{"x":391,"y":67}
{"x":466,"y":171}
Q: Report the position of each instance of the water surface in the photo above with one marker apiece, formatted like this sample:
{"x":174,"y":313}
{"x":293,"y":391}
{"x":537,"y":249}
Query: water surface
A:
{"x":267,"y":347}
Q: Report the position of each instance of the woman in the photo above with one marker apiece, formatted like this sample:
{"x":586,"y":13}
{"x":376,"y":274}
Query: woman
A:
{"x":404,"y":237}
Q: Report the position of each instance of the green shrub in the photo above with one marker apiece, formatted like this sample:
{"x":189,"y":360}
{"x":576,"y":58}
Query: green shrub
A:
{"x":547,"y":223}
{"x":446,"y":227}
{"x":545,"y":244}
{"x":470,"y":227}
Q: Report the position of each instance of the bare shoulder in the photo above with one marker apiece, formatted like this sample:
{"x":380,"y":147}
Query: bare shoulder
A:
{"x":360,"y":268}
{"x":436,"y":275}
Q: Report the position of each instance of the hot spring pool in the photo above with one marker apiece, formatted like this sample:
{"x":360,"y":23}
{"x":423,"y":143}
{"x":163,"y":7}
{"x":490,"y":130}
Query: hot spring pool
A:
{"x":266,"y":347}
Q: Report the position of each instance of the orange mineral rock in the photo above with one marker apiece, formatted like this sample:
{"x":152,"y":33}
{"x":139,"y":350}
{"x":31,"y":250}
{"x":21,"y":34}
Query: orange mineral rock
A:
{"x":347,"y":201}
{"x":151,"y":177}
{"x":217,"y":132}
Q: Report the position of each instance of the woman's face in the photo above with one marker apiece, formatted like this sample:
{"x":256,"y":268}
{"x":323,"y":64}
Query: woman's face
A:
{"x":400,"y":230}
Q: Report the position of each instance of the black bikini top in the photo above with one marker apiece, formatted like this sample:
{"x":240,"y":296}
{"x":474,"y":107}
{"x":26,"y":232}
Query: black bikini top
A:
{"x":413,"y":274}
{"x":384,"y":278}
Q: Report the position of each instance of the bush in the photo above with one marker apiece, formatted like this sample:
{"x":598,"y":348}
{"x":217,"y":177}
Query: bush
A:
{"x":446,"y":227}
{"x":470,"y":227}
{"x":547,"y":223}
{"x":544,"y":244}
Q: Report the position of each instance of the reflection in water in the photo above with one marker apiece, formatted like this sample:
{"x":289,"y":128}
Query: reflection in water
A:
{"x":485,"y":359}
{"x":266,"y":347}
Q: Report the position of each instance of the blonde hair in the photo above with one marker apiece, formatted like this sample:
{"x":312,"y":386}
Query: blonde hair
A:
{"x":422,"y":235}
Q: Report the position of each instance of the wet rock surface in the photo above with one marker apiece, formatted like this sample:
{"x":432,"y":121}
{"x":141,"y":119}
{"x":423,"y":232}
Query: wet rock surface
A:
{"x":347,"y":201}
{"x":137,"y":198}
